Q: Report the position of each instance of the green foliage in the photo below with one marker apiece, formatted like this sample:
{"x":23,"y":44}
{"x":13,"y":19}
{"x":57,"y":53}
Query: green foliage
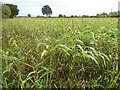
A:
{"x":14,"y":10}
{"x":60,"y":15}
{"x":102,"y":15}
{"x":72,"y":16}
{"x":46,"y":10}
{"x":51,"y":53}
{"x":113,"y":13}
{"x":29,"y":15}
{"x":6,"y":12}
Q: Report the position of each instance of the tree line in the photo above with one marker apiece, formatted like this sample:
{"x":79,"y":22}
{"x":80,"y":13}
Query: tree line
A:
{"x":99,"y":15}
{"x":11,"y":11}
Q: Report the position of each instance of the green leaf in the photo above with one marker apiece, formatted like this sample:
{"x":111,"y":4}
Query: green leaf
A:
{"x":43,"y":53}
{"x":89,"y":56}
{"x":105,"y":56}
{"x":80,"y":47}
{"x":64,"y":46}
{"x":31,"y":73}
{"x":80,"y":41}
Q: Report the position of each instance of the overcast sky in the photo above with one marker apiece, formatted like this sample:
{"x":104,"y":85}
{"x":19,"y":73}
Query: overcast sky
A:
{"x":65,"y":7}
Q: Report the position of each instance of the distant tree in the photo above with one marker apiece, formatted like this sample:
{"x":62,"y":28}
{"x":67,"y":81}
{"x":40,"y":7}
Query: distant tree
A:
{"x":72,"y":16}
{"x":6,"y":11}
{"x":46,"y":10}
{"x":29,"y":15}
{"x":84,"y":16}
{"x":40,"y":16}
{"x":14,"y":10}
{"x":64,"y":16}
{"x":92,"y":16}
{"x":104,"y":14}
{"x":76,"y":16}
{"x":60,"y":15}
{"x":98,"y":15}
{"x":113,"y":14}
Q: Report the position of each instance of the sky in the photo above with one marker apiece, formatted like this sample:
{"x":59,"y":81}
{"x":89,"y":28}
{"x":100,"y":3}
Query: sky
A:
{"x":64,"y":7}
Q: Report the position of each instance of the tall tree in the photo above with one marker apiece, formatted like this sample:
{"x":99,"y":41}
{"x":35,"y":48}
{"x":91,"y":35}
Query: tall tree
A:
{"x":72,"y":16}
{"x":46,"y":10}
{"x":29,"y":15}
{"x":60,"y":15}
{"x":6,"y":11}
{"x":14,"y":10}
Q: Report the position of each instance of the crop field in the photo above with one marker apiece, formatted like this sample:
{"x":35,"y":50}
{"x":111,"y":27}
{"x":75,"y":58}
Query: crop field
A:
{"x":60,"y":53}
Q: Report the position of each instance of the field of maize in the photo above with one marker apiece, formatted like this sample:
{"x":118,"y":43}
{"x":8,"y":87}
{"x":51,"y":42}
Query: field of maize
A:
{"x":60,"y":53}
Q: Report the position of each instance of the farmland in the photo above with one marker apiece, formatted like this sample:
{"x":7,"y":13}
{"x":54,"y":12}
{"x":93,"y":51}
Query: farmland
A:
{"x":60,"y":53}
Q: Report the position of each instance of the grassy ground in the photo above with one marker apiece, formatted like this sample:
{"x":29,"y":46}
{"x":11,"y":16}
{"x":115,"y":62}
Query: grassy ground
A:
{"x":60,"y":53}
